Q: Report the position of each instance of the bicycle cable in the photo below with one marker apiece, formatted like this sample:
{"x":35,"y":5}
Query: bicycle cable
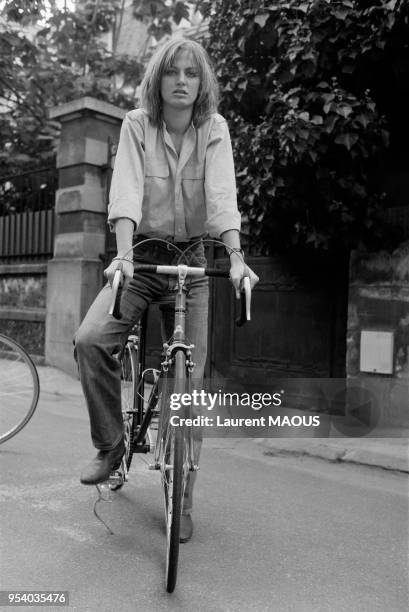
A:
{"x":109,"y":500}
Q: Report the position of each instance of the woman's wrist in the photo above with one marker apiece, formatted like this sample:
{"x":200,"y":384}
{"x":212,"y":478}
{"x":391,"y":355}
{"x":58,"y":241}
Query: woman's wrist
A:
{"x":123,"y":258}
{"x":235,"y":253}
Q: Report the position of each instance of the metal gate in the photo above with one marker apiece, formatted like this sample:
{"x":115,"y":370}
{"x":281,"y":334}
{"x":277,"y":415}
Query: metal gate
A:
{"x":27,"y":216}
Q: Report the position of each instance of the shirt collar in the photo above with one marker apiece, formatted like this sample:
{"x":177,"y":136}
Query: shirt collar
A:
{"x":190,"y":133}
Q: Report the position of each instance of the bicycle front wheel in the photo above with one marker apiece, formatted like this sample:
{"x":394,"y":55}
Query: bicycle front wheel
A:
{"x":19,"y":388}
{"x":174,"y":467}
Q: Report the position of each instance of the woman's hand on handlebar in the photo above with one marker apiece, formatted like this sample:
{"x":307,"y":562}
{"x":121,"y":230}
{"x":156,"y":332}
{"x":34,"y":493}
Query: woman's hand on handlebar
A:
{"x":127,"y":270}
{"x":238,"y":270}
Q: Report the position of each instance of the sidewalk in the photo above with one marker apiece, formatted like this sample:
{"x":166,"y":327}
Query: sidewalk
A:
{"x":389,"y":453}
{"x":386,"y":453}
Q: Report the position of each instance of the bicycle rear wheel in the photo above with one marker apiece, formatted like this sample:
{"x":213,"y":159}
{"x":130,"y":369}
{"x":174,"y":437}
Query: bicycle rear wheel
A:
{"x":19,"y":388}
{"x":133,"y":404}
{"x":174,"y":466}
{"x":129,"y":390}
{"x":130,"y":383}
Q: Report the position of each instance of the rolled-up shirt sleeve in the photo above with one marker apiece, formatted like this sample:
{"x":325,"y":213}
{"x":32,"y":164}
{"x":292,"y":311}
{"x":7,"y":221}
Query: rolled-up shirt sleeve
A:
{"x":220,"y":182}
{"x":127,"y":185}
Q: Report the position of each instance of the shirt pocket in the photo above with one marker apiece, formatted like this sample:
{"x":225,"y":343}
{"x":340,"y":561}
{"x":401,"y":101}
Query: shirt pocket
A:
{"x":193,"y":176}
{"x":193,"y":172}
{"x":156,"y":192}
{"x":156,"y":167}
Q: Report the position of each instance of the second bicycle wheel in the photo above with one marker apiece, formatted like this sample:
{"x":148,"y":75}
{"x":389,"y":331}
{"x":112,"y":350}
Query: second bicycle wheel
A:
{"x":19,"y":388}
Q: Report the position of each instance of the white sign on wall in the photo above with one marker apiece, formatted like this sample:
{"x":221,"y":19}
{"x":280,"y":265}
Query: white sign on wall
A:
{"x":376,"y":351}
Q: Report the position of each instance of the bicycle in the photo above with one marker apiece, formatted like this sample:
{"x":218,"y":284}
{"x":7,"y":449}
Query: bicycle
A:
{"x":19,"y":388}
{"x":173,"y":449}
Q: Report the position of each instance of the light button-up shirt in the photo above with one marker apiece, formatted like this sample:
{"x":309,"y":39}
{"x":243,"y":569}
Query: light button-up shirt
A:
{"x":169,"y":195}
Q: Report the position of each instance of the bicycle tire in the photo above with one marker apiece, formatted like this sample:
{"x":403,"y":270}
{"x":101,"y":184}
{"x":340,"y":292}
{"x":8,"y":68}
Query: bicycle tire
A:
{"x":129,"y":386}
{"x":175,"y":490}
{"x":19,"y":388}
{"x":133,"y":404}
{"x":174,"y":470}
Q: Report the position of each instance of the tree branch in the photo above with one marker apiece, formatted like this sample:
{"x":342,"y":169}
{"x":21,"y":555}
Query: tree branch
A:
{"x":91,"y":33}
{"x":117,"y":31}
{"x":22,"y":101}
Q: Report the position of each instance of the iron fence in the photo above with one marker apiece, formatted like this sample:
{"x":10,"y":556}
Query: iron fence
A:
{"x":27,"y":215}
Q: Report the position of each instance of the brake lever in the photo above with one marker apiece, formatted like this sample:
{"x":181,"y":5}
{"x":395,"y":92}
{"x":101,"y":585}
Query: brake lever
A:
{"x":245,"y":302}
{"x":117,"y":284}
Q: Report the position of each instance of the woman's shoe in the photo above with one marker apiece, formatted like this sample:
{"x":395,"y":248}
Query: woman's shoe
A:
{"x":104,"y":463}
{"x":186,"y":528}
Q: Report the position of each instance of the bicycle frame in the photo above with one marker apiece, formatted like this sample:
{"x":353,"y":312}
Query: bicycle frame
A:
{"x":183,"y":368}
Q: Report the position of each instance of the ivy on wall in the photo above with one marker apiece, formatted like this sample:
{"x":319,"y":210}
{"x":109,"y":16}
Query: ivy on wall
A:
{"x":303,"y":88}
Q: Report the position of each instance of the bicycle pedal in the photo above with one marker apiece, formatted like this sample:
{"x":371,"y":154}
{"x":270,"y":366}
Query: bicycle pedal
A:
{"x":115,"y":479}
{"x":153,"y":466}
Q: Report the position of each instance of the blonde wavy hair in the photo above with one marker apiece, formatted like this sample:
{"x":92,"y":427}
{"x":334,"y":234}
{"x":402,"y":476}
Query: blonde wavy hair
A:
{"x":207,"y":99}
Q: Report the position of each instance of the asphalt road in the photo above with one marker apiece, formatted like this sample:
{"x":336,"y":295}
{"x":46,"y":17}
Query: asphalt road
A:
{"x":271,"y":533}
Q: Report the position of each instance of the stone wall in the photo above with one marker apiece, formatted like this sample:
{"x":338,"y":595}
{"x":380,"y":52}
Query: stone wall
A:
{"x":379,"y":302}
{"x":23,"y":290}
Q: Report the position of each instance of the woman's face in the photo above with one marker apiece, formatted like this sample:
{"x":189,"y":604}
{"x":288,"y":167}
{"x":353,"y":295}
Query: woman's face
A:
{"x":180,"y":82}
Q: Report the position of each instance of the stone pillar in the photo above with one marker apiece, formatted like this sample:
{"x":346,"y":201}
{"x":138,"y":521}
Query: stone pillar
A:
{"x":378,"y":337}
{"x":75,"y":272}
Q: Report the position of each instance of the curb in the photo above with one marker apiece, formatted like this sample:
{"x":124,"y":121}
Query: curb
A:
{"x":57,"y":383}
{"x":390,"y":461}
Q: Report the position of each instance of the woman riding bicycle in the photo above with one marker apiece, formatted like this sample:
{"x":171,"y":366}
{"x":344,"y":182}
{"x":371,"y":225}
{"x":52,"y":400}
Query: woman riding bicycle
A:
{"x":173,"y":179}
